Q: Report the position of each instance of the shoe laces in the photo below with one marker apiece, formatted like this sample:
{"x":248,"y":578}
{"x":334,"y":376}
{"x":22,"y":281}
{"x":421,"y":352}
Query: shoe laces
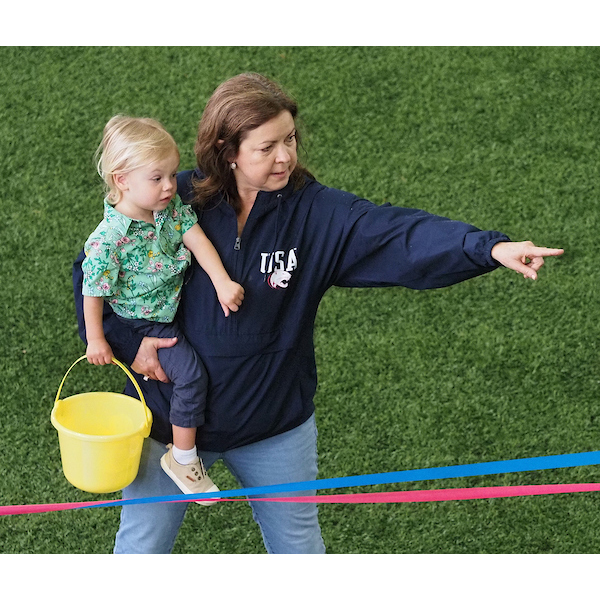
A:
{"x":198,"y":470}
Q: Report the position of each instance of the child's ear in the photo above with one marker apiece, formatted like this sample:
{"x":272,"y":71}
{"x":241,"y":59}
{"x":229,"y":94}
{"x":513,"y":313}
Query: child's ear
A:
{"x":121,"y":181}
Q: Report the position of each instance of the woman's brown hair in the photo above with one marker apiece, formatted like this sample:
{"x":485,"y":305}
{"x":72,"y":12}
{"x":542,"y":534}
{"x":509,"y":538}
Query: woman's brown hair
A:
{"x":236,"y":107}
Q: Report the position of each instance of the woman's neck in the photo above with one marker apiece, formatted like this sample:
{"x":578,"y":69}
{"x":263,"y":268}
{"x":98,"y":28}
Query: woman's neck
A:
{"x":245,"y":207}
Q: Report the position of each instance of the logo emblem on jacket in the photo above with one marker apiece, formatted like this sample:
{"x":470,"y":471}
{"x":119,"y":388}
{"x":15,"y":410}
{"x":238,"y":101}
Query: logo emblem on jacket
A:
{"x":279,"y":279}
{"x":278,"y":267}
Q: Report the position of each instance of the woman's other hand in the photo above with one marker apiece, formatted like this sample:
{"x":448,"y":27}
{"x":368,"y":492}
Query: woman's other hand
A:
{"x":523,"y":257}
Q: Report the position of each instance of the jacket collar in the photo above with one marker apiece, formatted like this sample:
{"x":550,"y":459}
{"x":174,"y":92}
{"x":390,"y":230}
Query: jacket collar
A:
{"x":267,"y":201}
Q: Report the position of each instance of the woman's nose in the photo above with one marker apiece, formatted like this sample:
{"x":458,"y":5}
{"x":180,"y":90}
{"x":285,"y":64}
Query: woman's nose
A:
{"x":282,"y":155}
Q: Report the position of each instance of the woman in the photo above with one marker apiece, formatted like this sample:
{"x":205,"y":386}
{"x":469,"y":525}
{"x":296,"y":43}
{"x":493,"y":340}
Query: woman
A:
{"x":286,"y":239}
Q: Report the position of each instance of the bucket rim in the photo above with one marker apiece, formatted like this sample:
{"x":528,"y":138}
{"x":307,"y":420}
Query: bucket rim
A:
{"x":118,"y":364}
{"x":143,"y":429}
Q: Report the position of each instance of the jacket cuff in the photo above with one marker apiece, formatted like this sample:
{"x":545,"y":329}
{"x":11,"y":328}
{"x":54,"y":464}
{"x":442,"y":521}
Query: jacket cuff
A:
{"x":478,"y":247}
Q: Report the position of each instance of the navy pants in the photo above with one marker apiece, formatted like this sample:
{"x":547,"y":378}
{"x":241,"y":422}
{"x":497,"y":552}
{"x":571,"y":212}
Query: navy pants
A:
{"x":183,"y":367}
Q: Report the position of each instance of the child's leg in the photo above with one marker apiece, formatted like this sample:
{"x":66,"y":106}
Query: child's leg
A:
{"x":182,"y":463}
{"x":185,"y":371}
{"x":184,"y":437}
{"x":189,"y":378}
{"x":184,"y":444}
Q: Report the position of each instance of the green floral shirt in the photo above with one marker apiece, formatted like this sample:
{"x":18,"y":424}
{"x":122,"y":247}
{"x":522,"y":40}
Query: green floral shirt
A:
{"x":137,"y":265}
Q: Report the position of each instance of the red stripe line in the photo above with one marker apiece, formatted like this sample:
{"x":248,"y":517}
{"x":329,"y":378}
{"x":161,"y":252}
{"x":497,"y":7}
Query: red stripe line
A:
{"x":442,"y":495}
{"x":365,"y":498}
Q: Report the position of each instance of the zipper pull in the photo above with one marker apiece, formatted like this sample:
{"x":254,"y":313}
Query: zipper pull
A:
{"x":238,"y":243}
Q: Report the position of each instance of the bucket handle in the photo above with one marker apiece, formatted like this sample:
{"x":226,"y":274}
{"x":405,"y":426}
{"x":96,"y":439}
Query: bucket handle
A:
{"x":124,"y":368}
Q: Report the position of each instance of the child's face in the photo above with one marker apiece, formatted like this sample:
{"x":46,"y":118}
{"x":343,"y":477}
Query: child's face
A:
{"x":149,"y":188}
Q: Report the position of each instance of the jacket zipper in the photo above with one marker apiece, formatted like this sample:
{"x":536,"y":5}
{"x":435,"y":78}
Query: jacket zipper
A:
{"x":238,"y":243}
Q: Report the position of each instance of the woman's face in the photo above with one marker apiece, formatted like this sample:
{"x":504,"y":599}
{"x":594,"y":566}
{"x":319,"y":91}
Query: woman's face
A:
{"x":266,"y":157}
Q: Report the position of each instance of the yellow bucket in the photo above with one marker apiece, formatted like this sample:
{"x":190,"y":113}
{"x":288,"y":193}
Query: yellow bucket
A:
{"x":101,"y":436}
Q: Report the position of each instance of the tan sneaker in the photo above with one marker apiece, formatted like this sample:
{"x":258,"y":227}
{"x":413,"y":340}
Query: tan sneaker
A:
{"x":190,"y":479}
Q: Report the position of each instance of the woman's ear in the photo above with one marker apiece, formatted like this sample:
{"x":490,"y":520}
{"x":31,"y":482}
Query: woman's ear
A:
{"x":219,"y":145}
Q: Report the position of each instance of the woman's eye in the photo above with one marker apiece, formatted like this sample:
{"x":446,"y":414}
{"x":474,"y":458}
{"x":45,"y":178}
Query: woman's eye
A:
{"x":266,"y":149}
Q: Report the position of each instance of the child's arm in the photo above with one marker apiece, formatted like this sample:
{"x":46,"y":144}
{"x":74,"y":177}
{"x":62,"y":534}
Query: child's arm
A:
{"x":230,"y":294}
{"x":98,"y":351}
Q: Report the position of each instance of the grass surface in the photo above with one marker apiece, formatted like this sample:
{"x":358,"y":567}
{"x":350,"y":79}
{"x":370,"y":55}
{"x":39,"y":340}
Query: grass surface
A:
{"x":493,"y":369}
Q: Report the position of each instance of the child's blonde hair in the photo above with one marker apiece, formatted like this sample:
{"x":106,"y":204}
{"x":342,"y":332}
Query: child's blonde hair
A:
{"x":129,"y":143}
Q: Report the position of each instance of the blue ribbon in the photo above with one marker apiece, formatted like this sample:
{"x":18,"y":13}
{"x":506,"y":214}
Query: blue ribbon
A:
{"x":490,"y":468}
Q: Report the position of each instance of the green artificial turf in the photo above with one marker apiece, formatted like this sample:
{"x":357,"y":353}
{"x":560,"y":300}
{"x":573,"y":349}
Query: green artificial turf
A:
{"x":495,"y":368}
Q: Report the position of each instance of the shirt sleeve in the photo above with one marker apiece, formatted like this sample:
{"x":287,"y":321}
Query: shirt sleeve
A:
{"x":392,"y":246}
{"x":100,"y":268}
{"x":184,"y":214}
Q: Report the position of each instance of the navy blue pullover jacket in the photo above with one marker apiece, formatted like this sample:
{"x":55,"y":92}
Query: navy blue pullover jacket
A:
{"x":295,"y":245}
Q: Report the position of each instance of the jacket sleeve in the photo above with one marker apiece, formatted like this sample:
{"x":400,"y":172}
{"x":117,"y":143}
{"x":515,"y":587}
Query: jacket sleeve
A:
{"x":122,"y":339}
{"x":392,"y":246}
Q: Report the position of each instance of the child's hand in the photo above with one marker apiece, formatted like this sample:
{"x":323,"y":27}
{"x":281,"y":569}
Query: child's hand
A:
{"x":231,"y":295}
{"x":99,"y":352}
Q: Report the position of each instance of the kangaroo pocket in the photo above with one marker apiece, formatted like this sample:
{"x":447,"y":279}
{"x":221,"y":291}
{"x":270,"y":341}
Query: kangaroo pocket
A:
{"x":255,"y":397}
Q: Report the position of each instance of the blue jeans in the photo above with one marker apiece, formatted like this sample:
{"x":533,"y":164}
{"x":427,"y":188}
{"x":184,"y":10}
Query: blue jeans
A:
{"x":286,"y":527}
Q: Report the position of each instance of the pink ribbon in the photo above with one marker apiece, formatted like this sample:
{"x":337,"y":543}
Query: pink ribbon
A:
{"x":441,"y":495}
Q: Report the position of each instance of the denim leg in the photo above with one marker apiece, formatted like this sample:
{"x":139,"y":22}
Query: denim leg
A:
{"x":150,"y":528}
{"x":286,"y":527}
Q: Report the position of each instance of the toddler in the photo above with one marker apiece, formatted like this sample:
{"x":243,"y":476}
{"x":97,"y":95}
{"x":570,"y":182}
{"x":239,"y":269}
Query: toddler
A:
{"x":136,"y":259}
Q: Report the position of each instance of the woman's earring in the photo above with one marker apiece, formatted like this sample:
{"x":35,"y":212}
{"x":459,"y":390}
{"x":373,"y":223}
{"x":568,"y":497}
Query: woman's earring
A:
{"x":233,"y":166}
